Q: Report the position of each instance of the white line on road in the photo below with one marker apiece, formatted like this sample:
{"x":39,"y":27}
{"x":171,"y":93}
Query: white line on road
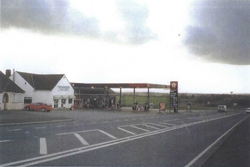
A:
{"x":126,"y":131}
{"x":159,"y":125}
{"x":171,"y":120}
{"x":14,"y":130}
{"x":111,"y":136}
{"x":77,"y":132}
{"x":151,"y":126}
{"x":43,"y":146}
{"x":216,"y":141}
{"x":43,"y":127}
{"x":60,"y":126}
{"x":139,"y":128}
{"x":84,"y":142}
{"x":2,"y":141}
{"x":168,"y":124}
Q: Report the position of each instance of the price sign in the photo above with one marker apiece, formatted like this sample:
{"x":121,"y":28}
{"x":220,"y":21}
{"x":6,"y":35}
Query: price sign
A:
{"x":174,"y":94}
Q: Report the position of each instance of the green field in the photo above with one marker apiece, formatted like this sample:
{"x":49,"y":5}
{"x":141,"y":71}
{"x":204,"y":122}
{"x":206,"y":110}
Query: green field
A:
{"x":127,"y":101}
{"x":197,"y":101}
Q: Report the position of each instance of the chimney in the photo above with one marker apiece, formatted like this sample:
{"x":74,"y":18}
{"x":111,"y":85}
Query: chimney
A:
{"x":8,"y":73}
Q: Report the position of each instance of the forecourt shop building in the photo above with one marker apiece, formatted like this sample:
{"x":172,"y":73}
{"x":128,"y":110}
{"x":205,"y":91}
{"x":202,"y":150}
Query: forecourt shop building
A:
{"x":53,"y":89}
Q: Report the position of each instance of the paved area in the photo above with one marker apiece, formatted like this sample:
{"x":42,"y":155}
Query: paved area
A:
{"x":8,"y":118}
{"x":17,"y":117}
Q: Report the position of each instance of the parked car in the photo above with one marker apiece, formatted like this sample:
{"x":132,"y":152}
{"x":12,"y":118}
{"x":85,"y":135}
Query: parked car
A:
{"x":247,"y":110}
{"x":222,"y":108}
{"x":38,"y":106}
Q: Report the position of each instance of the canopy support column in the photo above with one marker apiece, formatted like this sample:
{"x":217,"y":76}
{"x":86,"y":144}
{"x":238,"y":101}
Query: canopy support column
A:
{"x":134,"y":100}
{"x":147,"y":105}
{"x":120,"y":101}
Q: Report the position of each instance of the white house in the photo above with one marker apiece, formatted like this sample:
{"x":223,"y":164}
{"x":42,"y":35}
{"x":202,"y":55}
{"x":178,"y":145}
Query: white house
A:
{"x":11,"y":95}
{"x":53,"y":89}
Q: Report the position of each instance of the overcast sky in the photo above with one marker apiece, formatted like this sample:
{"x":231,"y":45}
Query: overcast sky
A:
{"x":204,"y":45}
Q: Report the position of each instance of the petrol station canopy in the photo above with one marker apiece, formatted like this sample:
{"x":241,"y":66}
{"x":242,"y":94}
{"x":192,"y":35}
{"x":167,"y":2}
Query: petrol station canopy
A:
{"x":120,"y":85}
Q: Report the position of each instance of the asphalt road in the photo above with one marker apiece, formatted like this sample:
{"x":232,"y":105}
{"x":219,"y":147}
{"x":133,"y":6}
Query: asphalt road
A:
{"x":113,"y":138}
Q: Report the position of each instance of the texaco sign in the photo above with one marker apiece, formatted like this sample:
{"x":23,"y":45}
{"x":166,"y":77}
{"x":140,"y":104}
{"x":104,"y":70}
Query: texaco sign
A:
{"x":174,"y":94}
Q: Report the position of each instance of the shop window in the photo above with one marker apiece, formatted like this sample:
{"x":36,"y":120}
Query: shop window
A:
{"x":70,"y":101}
{"x":55,"y":103}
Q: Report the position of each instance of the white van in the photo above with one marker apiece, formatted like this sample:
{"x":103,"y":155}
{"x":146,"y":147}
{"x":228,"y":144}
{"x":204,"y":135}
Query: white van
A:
{"x":222,"y":108}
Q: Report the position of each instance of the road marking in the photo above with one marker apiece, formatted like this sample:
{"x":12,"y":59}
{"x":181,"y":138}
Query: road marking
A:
{"x":168,"y":124}
{"x":116,"y":120}
{"x":43,"y":146}
{"x":77,"y":132}
{"x":67,"y":153}
{"x":138,"y":128}
{"x":38,"y":122}
{"x":2,"y":141}
{"x":13,"y":130}
{"x":105,"y":121}
{"x":60,"y":126}
{"x":84,"y":142}
{"x":43,"y":127}
{"x":192,"y":118}
{"x":111,"y":136}
{"x":210,"y":146}
{"x":171,"y":120}
{"x":151,"y":126}
{"x":126,"y":131}
{"x":159,"y":125}
{"x":93,"y":123}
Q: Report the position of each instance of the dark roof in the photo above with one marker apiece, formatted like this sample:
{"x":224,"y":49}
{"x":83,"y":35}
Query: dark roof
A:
{"x":41,"y":82}
{"x":93,"y":91}
{"x":119,"y":85}
{"x":7,"y":85}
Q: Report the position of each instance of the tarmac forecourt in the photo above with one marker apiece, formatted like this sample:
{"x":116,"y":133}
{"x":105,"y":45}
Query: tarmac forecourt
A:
{"x":22,"y":117}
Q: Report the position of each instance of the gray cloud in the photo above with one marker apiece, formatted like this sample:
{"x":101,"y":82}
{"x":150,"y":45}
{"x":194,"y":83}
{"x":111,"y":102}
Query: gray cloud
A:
{"x":57,"y":16}
{"x":135,"y":16}
{"x":46,"y":16}
{"x":221,"y":31}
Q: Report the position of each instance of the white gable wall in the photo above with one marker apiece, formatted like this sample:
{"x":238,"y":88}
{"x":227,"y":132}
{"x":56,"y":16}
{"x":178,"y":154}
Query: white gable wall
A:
{"x":44,"y":96}
{"x":63,"y":91}
{"x":22,"y":83}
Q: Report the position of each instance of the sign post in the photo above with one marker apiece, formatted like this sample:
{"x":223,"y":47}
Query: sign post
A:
{"x":162,"y":107}
{"x":174,"y":95}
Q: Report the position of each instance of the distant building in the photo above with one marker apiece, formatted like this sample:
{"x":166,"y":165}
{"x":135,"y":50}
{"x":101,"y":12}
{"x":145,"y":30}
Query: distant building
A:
{"x":11,"y":95}
{"x":53,"y":89}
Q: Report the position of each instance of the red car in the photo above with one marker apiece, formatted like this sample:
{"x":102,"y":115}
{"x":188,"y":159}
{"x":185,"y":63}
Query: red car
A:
{"x":38,"y":106}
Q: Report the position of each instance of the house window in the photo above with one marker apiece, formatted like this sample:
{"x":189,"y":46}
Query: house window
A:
{"x":27,"y":100}
{"x":17,"y":97}
{"x":70,"y":101}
